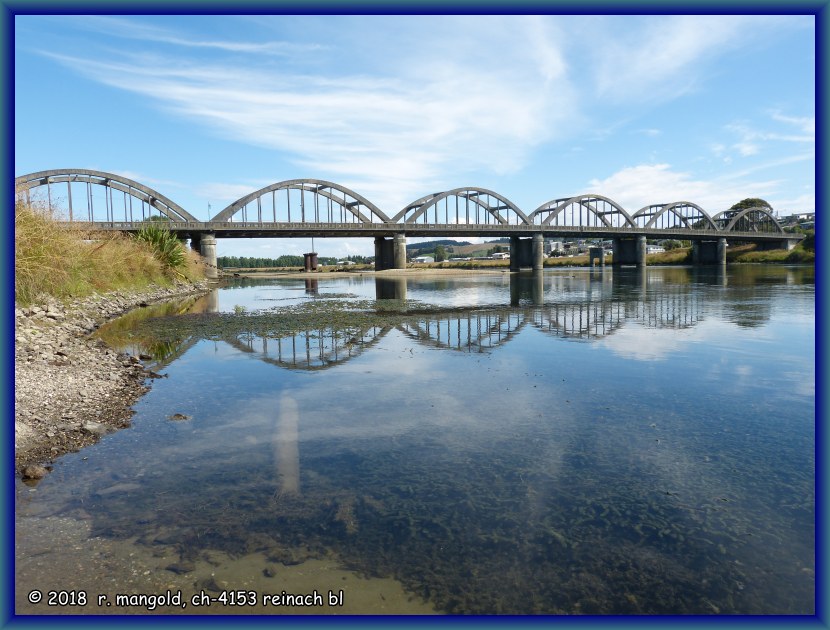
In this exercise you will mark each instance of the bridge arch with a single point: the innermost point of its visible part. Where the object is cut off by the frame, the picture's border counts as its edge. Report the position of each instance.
(110, 181)
(667, 215)
(328, 201)
(478, 203)
(308, 350)
(755, 219)
(479, 331)
(582, 211)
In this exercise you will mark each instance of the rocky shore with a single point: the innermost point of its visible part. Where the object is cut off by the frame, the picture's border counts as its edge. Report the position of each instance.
(70, 389)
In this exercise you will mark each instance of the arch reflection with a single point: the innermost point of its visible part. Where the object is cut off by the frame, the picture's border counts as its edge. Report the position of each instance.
(572, 305)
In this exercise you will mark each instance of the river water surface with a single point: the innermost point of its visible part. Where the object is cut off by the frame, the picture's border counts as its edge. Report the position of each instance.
(572, 442)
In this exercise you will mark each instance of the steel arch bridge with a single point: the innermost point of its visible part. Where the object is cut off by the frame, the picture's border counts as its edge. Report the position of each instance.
(306, 205)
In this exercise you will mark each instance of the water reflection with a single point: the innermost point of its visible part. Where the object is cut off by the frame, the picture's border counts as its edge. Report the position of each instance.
(584, 306)
(566, 443)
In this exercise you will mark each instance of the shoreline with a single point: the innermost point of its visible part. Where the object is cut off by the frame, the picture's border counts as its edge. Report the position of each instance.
(71, 389)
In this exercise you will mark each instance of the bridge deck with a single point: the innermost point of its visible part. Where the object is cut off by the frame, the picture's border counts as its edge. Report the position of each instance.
(237, 229)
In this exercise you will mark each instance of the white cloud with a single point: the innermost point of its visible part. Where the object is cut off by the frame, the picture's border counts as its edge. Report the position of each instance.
(638, 186)
(643, 343)
(390, 137)
(664, 59)
(807, 124)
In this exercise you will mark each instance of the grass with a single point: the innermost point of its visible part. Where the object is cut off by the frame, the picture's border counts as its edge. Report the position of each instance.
(62, 262)
(749, 253)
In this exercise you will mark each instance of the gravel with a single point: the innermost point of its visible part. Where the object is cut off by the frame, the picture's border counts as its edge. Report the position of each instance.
(71, 389)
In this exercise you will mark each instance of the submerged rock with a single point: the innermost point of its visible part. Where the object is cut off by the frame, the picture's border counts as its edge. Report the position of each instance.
(34, 472)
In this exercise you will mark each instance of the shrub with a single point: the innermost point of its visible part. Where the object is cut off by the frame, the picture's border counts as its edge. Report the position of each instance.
(166, 247)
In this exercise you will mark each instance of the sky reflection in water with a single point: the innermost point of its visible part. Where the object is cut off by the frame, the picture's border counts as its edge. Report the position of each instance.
(580, 442)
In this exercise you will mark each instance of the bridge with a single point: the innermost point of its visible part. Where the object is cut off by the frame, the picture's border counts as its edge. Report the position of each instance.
(104, 201)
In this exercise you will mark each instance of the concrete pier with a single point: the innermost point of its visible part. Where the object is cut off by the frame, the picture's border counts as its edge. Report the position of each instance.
(709, 252)
(310, 261)
(399, 251)
(208, 247)
(390, 253)
(630, 251)
(538, 247)
(596, 253)
(527, 253)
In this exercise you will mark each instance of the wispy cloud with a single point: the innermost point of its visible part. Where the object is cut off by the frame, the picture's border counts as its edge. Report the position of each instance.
(133, 29)
(666, 57)
(390, 136)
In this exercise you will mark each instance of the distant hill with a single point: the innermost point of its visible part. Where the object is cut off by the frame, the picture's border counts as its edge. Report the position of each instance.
(431, 245)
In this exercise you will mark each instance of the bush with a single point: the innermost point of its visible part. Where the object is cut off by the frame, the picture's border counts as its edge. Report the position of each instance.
(166, 247)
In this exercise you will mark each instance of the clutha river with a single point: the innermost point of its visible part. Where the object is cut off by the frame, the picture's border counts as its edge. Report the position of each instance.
(571, 442)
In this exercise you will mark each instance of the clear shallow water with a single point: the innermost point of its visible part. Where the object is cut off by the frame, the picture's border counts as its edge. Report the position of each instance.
(576, 442)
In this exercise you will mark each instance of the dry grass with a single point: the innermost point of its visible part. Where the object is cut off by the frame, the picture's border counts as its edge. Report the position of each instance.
(67, 262)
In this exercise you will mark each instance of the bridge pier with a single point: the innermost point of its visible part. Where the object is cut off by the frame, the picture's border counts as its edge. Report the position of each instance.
(208, 248)
(196, 243)
(399, 251)
(629, 251)
(527, 253)
(310, 261)
(538, 252)
(390, 253)
(709, 252)
(594, 253)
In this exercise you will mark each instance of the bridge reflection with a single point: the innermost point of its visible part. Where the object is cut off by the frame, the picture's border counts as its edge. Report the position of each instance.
(579, 306)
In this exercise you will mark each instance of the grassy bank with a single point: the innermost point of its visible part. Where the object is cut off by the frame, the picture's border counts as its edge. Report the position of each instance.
(67, 262)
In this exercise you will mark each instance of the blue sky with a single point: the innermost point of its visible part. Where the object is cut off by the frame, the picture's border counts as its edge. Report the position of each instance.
(641, 109)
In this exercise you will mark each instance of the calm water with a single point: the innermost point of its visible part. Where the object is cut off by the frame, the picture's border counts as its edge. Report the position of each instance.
(576, 442)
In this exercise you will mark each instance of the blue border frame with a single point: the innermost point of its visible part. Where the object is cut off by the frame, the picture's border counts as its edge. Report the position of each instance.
(10, 8)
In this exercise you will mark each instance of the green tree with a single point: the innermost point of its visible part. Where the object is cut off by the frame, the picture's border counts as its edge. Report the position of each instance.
(750, 202)
(440, 253)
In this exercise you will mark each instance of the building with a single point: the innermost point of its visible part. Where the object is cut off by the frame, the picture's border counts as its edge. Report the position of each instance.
(423, 259)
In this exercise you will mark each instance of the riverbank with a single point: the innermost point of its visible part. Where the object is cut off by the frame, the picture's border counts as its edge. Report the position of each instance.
(70, 389)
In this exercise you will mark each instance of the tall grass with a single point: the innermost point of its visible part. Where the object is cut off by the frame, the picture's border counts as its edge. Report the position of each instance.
(62, 262)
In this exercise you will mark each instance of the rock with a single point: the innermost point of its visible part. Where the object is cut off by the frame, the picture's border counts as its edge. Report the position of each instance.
(95, 428)
(208, 584)
(34, 472)
(179, 416)
(181, 567)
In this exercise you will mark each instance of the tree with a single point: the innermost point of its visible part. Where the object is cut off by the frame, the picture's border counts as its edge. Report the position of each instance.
(750, 202)
(440, 253)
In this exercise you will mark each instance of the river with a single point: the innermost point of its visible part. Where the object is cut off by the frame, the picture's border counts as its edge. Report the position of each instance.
(573, 442)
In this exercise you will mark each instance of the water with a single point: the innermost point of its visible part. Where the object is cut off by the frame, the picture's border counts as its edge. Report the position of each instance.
(577, 442)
